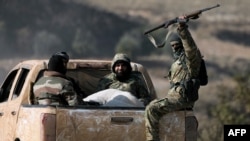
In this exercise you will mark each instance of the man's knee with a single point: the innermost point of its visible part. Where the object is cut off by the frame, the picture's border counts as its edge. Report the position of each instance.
(151, 107)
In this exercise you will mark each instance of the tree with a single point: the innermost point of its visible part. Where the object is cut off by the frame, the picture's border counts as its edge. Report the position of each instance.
(234, 105)
(47, 43)
(84, 44)
(128, 44)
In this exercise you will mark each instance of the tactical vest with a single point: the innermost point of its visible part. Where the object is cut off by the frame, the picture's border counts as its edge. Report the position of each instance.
(182, 77)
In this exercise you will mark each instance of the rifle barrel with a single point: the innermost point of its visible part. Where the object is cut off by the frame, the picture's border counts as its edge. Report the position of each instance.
(160, 26)
(205, 9)
(198, 12)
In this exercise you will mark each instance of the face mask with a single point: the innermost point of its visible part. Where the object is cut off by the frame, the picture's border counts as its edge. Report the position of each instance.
(177, 52)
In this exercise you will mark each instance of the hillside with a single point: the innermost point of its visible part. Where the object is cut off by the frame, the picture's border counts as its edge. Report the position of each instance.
(221, 34)
(42, 27)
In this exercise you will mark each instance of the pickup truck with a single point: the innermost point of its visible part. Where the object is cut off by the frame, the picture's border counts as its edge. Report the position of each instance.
(22, 120)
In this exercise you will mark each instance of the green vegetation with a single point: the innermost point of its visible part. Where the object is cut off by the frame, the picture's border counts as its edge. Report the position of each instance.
(42, 27)
(233, 108)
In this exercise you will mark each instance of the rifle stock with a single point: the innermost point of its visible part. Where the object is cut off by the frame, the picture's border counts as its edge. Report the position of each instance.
(192, 15)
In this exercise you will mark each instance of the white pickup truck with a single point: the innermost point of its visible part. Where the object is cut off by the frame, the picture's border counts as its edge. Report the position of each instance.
(22, 120)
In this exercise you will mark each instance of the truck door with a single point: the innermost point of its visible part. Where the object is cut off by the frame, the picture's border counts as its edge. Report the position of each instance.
(4, 95)
(10, 102)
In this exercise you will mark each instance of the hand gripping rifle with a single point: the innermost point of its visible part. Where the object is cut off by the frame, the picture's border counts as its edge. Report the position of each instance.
(193, 15)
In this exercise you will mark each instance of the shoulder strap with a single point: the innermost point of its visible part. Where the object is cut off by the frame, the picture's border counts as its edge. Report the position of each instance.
(182, 59)
(152, 40)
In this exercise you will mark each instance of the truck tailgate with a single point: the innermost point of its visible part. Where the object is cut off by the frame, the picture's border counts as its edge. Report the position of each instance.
(100, 124)
(107, 124)
(46, 123)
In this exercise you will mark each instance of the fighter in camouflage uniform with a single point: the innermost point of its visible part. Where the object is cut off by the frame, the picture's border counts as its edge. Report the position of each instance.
(54, 88)
(122, 78)
(183, 80)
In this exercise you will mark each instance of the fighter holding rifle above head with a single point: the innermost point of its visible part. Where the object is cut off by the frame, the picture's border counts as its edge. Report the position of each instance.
(184, 75)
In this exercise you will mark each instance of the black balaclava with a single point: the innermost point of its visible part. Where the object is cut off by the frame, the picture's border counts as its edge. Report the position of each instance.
(176, 51)
(58, 62)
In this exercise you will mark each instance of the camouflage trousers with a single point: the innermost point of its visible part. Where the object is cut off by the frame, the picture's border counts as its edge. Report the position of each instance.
(175, 100)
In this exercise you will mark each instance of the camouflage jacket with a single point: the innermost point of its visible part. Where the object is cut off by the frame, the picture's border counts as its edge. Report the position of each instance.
(54, 89)
(133, 84)
(188, 64)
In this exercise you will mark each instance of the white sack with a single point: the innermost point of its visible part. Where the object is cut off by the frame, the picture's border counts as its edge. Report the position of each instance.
(114, 97)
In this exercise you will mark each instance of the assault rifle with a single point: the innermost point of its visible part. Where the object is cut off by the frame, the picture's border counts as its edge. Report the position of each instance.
(193, 15)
